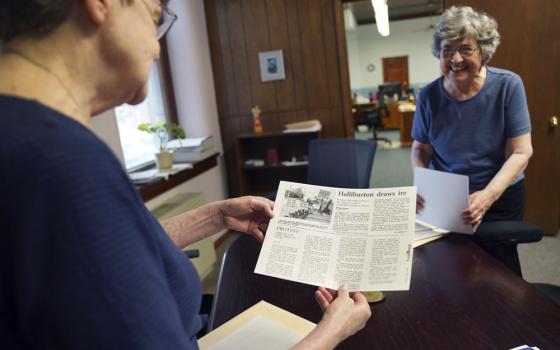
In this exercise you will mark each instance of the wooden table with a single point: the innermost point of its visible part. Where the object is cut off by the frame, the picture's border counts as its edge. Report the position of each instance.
(460, 298)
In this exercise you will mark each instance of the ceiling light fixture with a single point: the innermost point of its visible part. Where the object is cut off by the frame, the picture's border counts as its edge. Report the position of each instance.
(381, 16)
(349, 19)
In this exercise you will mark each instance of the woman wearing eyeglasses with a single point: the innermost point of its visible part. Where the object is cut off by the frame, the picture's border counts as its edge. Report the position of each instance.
(83, 264)
(474, 120)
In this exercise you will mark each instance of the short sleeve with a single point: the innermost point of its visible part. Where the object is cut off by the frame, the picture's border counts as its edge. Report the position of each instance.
(420, 125)
(516, 111)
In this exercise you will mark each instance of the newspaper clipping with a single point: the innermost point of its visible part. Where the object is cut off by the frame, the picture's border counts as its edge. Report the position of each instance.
(327, 236)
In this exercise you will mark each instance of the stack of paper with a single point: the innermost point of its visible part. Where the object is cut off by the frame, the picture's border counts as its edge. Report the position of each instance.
(192, 149)
(305, 126)
(426, 233)
(406, 107)
(263, 326)
(147, 176)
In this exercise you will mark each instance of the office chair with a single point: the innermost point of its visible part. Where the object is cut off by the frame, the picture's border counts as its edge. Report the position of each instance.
(374, 117)
(500, 239)
(342, 163)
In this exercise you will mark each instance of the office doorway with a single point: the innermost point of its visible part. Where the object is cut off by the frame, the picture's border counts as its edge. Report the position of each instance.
(395, 69)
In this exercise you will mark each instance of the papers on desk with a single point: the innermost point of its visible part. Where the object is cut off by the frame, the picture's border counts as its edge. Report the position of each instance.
(406, 107)
(304, 126)
(295, 163)
(327, 236)
(425, 233)
(445, 196)
(263, 326)
(146, 176)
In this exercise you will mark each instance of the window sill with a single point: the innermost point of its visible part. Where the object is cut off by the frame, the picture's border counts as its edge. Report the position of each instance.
(154, 189)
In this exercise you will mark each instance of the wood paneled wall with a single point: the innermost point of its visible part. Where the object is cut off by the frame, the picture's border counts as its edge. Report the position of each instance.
(315, 62)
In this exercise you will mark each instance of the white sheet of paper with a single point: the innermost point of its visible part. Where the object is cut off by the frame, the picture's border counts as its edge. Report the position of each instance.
(446, 195)
(262, 326)
(259, 333)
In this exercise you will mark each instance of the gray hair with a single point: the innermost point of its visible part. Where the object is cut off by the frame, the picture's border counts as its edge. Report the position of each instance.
(459, 22)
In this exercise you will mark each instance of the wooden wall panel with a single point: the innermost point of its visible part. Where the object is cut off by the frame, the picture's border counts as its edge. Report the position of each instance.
(296, 56)
(222, 64)
(255, 24)
(313, 49)
(239, 55)
(280, 39)
(333, 80)
(309, 33)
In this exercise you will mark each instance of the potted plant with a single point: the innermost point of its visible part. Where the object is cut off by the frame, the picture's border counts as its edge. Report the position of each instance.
(162, 131)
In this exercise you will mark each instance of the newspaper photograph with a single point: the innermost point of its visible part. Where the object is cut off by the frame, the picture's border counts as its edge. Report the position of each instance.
(327, 236)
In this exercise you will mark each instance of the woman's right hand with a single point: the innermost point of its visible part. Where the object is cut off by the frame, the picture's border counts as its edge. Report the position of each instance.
(419, 203)
(345, 313)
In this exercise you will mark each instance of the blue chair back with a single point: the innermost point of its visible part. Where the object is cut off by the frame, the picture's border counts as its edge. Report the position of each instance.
(342, 163)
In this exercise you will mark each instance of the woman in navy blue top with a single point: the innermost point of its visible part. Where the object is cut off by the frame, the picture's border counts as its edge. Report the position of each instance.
(83, 264)
(474, 120)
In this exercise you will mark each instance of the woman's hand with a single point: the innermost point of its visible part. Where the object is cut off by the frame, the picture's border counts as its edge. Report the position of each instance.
(247, 214)
(344, 313)
(419, 203)
(479, 203)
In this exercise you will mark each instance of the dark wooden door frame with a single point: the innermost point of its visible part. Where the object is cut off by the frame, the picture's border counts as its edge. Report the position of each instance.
(344, 69)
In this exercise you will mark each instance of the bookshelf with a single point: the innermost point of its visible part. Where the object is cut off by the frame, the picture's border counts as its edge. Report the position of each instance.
(263, 179)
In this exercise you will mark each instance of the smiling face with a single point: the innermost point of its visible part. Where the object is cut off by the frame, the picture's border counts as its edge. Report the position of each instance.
(460, 60)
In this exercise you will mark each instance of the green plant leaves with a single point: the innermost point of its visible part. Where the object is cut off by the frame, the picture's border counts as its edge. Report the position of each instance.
(161, 130)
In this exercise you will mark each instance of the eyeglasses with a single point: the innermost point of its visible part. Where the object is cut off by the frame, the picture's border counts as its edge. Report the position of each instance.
(167, 19)
(464, 51)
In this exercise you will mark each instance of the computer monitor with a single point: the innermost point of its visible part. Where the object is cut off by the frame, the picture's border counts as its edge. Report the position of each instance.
(388, 90)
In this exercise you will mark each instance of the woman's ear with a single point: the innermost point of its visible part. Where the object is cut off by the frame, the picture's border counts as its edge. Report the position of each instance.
(97, 10)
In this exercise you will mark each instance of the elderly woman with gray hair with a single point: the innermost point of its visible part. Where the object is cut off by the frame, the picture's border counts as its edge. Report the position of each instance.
(83, 264)
(474, 120)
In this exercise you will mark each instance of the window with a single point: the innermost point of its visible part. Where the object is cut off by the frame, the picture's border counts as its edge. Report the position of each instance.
(139, 147)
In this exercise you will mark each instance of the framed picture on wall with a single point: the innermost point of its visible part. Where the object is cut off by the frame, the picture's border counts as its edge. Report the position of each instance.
(272, 65)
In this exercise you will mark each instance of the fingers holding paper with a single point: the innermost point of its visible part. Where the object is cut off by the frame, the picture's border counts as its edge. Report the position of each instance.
(419, 203)
(347, 312)
(479, 203)
(247, 214)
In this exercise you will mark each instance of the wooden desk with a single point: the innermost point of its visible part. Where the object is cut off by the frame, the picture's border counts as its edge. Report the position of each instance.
(406, 128)
(460, 298)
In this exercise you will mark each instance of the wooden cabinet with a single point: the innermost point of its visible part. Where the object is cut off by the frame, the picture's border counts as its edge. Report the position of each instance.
(393, 120)
(270, 151)
(407, 119)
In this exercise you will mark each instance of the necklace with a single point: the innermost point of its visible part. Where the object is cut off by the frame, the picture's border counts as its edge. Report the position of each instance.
(51, 72)
(459, 114)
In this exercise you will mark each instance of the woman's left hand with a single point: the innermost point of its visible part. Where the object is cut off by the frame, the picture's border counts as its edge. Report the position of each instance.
(479, 203)
(247, 214)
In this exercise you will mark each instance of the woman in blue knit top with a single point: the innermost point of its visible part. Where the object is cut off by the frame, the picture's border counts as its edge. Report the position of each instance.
(474, 120)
